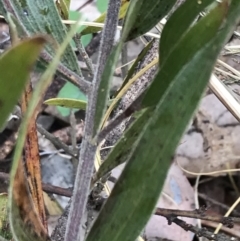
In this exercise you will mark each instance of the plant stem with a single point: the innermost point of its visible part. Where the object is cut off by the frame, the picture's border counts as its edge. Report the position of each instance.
(88, 147)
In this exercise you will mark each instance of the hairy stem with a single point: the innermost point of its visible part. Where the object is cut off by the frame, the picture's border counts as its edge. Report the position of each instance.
(88, 147)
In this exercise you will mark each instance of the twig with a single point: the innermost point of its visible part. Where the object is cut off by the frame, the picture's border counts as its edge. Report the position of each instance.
(66, 192)
(74, 139)
(124, 61)
(235, 204)
(73, 130)
(126, 101)
(223, 206)
(199, 232)
(84, 5)
(199, 223)
(83, 53)
(198, 214)
(225, 96)
(74, 78)
(234, 232)
(88, 148)
(55, 141)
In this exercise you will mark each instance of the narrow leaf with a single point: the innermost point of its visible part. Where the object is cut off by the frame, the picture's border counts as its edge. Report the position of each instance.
(195, 43)
(106, 77)
(150, 13)
(69, 103)
(24, 218)
(134, 65)
(12, 83)
(32, 158)
(172, 33)
(134, 196)
(125, 145)
(63, 8)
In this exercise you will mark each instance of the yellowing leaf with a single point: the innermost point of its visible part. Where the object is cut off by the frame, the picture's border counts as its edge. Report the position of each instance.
(63, 8)
(69, 103)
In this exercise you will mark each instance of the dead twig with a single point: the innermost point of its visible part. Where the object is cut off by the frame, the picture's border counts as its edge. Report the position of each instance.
(51, 189)
(55, 141)
(198, 214)
(221, 205)
(203, 232)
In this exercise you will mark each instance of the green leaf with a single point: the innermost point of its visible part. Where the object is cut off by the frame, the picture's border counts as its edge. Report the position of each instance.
(69, 103)
(70, 91)
(103, 93)
(102, 5)
(42, 17)
(134, 65)
(134, 196)
(22, 229)
(63, 8)
(150, 13)
(173, 32)
(125, 145)
(186, 51)
(21, 59)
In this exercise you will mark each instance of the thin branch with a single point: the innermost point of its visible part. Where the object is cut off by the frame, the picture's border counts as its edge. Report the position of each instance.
(198, 214)
(67, 73)
(55, 141)
(84, 5)
(221, 205)
(51, 189)
(74, 78)
(66, 192)
(172, 213)
(124, 61)
(88, 148)
(203, 232)
(83, 53)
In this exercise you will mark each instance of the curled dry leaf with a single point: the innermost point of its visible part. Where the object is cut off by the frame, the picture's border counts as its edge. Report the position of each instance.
(24, 217)
(32, 159)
